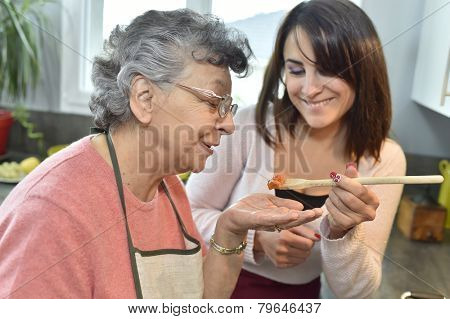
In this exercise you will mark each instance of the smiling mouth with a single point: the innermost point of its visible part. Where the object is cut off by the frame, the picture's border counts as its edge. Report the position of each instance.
(208, 148)
(318, 103)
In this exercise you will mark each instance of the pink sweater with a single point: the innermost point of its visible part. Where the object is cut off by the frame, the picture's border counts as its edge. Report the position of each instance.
(62, 233)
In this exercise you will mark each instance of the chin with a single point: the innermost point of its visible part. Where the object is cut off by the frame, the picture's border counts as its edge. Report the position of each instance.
(199, 165)
(316, 122)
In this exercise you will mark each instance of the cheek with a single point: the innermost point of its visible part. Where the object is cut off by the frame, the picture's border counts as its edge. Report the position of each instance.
(347, 96)
(293, 87)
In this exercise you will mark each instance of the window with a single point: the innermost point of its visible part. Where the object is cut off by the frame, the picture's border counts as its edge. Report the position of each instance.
(259, 20)
(121, 12)
(85, 25)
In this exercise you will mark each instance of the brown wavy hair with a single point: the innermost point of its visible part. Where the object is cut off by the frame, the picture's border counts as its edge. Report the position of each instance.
(346, 45)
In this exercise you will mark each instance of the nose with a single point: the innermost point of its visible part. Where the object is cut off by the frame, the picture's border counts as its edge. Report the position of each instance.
(312, 85)
(226, 125)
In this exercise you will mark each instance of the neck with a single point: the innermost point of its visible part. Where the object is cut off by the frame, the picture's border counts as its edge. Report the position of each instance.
(328, 133)
(141, 178)
(330, 139)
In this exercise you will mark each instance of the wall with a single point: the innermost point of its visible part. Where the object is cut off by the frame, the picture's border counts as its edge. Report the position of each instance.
(418, 129)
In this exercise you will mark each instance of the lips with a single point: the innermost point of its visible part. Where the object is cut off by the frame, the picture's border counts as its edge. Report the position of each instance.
(208, 146)
(318, 103)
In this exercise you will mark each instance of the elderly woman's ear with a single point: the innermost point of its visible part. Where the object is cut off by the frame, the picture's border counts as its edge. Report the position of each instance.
(142, 99)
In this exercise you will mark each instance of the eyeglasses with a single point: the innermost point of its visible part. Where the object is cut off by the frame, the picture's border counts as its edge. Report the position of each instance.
(222, 103)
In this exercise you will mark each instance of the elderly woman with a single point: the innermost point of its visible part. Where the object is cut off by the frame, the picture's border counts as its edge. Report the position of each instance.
(107, 217)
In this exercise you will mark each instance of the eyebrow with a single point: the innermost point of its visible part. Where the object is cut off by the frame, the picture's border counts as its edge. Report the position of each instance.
(293, 61)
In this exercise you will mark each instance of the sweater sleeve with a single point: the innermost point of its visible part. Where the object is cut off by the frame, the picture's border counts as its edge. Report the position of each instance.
(42, 253)
(209, 191)
(353, 264)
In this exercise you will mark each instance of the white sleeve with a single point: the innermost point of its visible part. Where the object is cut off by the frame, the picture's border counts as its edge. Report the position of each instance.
(209, 191)
(353, 264)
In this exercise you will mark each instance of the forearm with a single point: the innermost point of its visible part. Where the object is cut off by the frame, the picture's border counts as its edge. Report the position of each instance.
(348, 264)
(220, 272)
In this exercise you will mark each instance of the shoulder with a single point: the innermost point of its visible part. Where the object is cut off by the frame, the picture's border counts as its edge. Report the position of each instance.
(392, 152)
(68, 180)
(392, 160)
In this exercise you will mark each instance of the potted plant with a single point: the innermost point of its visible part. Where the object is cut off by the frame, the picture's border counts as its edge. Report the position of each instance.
(21, 23)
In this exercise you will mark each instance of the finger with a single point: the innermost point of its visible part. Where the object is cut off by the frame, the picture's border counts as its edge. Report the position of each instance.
(305, 232)
(304, 217)
(352, 186)
(337, 202)
(288, 203)
(296, 242)
(339, 220)
(288, 261)
(285, 217)
(351, 170)
(352, 205)
(286, 252)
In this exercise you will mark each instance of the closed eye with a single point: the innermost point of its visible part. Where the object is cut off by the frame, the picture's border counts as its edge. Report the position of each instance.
(294, 67)
(296, 70)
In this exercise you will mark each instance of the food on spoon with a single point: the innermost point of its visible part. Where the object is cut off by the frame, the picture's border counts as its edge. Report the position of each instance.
(276, 182)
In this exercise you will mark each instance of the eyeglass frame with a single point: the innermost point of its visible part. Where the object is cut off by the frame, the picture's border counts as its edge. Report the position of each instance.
(222, 108)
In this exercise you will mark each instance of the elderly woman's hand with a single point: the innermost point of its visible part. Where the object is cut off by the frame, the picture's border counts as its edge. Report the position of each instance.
(264, 212)
(267, 212)
(349, 203)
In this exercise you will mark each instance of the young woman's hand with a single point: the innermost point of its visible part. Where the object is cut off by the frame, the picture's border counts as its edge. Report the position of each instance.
(287, 248)
(349, 203)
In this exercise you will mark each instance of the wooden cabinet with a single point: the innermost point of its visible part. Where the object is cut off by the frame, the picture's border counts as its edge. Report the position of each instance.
(431, 78)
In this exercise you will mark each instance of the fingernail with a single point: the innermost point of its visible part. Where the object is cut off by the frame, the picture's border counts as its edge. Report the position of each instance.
(337, 178)
(350, 164)
(317, 236)
(333, 175)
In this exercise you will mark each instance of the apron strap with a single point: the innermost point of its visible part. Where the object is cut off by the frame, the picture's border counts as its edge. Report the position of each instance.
(180, 221)
(115, 163)
(96, 130)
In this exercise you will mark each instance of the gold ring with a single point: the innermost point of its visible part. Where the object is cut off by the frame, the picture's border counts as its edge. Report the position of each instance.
(277, 228)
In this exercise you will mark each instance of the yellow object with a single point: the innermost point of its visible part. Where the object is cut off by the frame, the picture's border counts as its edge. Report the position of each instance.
(444, 194)
(29, 164)
(56, 148)
(11, 171)
(184, 176)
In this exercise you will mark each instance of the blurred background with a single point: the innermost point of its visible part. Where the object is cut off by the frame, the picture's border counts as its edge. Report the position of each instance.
(46, 53)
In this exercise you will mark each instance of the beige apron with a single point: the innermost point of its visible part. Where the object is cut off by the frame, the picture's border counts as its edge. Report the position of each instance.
(171, 275)
(165, 273)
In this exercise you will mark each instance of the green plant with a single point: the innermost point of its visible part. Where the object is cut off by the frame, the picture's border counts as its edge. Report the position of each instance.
(21, 36)
(22, 116)
(22, 25)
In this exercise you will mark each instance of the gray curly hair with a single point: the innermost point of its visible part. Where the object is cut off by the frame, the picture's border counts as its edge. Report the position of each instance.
(158, 45)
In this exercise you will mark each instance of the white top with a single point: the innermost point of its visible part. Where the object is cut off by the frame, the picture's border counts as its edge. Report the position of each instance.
(242, 165)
